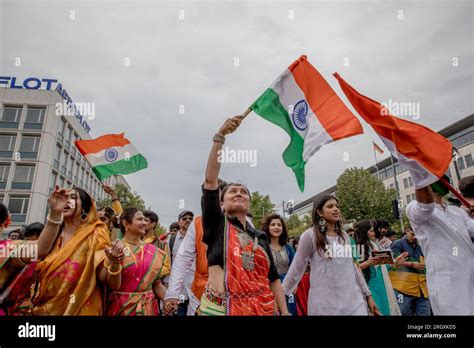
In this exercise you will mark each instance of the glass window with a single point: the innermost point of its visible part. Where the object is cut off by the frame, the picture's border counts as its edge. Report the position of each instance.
(408, 199)
(468, 159)
(52, 181)
(18, 207)
(7, 142)
(413, 196)
(10, 117)
(67, 135)
(29, 146)
(34, 118)
(61, 182)
(405, 183)
(24, 174)
(4, 171)
(61, 127)
(57, 156)
(410, 181)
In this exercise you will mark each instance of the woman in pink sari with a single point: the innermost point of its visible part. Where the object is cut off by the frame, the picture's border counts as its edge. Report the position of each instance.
(136, 284)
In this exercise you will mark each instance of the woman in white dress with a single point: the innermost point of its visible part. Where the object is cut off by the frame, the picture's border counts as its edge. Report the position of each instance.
(337, 284)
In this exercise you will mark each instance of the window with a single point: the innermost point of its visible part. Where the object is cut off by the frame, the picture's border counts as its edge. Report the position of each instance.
(413, 196)
(23, 178)
(57, 156)
(7, 144)
(4, 171)
(76, 172)
(52, 181)
(62, 126)
(468, 159)
(461, 165)
(69, 168)
(63, 162)
(81, 177)
(61, 182)
(408, 199)
(410, 181)
(18, 207)
(405, 183)
(67, 135)
(29, 146)
(34, 118)
(10, 117)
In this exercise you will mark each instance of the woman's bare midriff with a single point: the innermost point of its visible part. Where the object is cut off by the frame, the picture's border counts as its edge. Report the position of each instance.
(216, 278)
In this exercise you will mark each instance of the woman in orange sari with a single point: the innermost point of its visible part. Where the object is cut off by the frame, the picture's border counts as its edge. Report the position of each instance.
(137, 279)
(72, 245)
(243, 279)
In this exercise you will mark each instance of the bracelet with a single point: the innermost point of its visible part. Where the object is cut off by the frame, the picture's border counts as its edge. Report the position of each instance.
(54, 222)
(116, 272)
(218, 139)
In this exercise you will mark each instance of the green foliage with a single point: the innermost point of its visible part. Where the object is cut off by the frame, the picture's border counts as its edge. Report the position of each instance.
(126, 198)
(260, 207)
(296, 226)
(363, 196)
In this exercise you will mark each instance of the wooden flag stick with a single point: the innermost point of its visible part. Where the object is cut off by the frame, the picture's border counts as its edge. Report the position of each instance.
(455, 192)
(246, 112)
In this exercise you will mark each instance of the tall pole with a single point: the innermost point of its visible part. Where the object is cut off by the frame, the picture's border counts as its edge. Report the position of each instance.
(398, 191)
(283, 205)
(376, 166)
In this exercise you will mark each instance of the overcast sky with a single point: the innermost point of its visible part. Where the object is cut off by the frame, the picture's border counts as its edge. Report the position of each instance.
(403, 51)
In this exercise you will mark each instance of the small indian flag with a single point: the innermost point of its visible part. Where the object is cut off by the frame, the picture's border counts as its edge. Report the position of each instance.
(111, 154)
(302, 103)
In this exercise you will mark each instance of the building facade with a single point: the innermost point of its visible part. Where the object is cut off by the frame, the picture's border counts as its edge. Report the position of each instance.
(461, 135)
(37, 152)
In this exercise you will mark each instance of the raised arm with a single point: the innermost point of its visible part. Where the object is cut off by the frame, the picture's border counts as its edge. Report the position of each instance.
(213, 163)
(57, 202)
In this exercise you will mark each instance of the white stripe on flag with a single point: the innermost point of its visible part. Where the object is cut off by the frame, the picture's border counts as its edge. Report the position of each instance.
(123, 152)
(420, 175)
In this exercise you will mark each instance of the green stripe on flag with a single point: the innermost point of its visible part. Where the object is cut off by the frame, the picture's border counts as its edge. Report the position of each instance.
(269, 107)
(124, 166)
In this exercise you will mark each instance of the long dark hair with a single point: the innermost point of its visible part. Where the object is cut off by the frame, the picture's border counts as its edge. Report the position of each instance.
(283, 238)
(362, 239)
(127, 215)
(321, 240)
(86, 199)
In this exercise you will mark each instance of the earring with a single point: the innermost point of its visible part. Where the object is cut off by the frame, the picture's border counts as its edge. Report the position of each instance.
(83, 216)
(322, 225)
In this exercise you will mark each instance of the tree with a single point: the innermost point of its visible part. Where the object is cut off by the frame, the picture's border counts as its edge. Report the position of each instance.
(363, 196)
(296, 226)
(260, 207)
(125, 197)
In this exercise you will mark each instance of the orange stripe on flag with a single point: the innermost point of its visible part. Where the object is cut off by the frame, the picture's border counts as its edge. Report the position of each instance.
(414, 141)
(331, 112)
(101, 143)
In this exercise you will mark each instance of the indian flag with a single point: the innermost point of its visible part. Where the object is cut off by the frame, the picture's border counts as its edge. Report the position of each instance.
(111, 154)
(302, 103)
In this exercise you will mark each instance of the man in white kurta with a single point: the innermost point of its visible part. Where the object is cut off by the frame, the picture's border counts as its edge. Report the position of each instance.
(444, 233)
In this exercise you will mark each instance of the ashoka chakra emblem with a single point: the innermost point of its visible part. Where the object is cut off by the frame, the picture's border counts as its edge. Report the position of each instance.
(299, 115)
(111, 155)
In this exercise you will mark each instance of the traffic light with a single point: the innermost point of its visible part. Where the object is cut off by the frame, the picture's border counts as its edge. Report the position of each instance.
(395, 211)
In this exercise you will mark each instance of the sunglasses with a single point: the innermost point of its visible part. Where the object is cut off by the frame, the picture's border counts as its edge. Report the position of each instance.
(187, 218)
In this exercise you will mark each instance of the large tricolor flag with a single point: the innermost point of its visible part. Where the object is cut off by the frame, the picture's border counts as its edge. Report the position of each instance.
(302, 103)
(424, 152)
(111, 154)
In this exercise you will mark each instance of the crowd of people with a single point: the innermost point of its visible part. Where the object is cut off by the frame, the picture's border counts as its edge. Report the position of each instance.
(109, 261)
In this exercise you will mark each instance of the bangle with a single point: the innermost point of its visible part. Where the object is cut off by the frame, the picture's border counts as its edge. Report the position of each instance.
(54, 222)
(116, 272)
(218, 139)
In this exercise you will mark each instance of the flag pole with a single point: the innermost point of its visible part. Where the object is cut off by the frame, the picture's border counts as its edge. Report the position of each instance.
(455, 192)
(397, 189)
(376, 166)
(246, 112)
